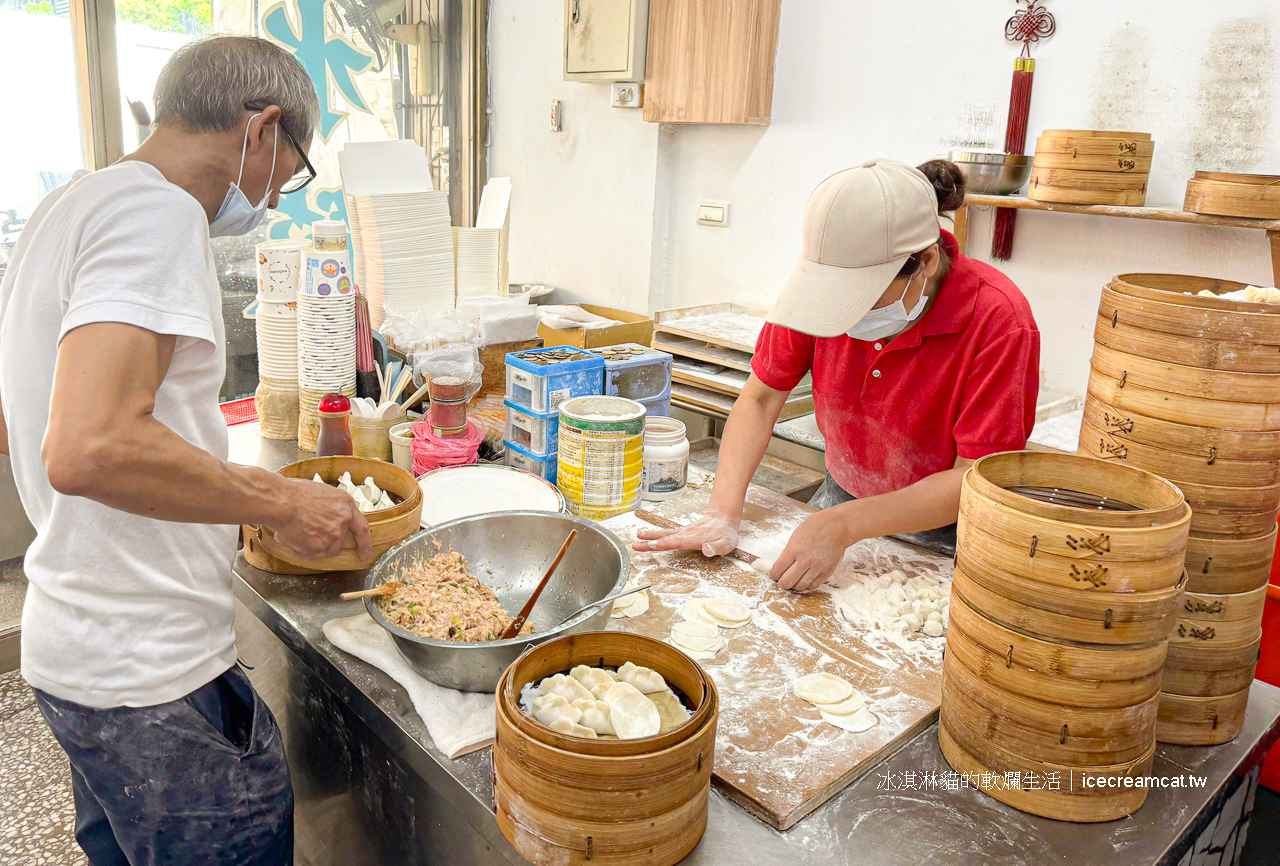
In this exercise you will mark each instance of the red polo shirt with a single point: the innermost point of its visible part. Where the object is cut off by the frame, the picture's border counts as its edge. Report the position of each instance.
(960, 382)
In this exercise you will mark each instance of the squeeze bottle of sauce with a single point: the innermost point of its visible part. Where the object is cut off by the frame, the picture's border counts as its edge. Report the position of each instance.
(335, 435)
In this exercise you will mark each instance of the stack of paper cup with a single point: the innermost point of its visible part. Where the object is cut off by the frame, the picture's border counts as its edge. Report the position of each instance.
(326, 314)
(279, 264)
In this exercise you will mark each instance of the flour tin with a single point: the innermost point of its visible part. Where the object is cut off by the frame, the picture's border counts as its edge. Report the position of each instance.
(600, 455)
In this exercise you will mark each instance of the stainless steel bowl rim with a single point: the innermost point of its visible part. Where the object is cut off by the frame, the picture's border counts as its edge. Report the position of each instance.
(374, 578)
(990, 157)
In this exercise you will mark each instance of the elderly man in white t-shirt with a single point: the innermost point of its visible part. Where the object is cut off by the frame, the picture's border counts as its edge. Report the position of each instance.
(111, 360)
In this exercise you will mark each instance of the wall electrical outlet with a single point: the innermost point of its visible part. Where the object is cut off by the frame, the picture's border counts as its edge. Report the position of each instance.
(627, 94)
(713, 213)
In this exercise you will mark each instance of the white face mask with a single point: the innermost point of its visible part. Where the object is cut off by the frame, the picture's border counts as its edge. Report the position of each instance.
(237, 216)
(889, 320)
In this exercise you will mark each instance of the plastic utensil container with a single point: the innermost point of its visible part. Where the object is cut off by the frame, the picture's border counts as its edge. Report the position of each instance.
(542, 465)
(536, 432)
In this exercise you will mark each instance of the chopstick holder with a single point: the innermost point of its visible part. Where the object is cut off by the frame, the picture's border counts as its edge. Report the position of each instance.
(458, 722)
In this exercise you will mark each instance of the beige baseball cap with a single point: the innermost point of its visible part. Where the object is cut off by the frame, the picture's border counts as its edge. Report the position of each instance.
(860, 226)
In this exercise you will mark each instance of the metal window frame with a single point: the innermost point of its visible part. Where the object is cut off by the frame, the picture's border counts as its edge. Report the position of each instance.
(97, 81)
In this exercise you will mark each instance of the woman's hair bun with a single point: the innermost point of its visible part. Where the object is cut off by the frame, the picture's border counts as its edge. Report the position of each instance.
(948, 182)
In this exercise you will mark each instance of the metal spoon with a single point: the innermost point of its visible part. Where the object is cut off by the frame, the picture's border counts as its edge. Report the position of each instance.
(605, 600)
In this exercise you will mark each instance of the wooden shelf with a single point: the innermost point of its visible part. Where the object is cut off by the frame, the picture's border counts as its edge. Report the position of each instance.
(1271, 227)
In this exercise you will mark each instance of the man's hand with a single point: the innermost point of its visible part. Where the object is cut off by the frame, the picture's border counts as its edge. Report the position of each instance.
(814, 550)
(713, 534)
(319, 520)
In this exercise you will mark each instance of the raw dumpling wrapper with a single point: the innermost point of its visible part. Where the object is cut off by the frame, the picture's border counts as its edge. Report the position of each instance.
(847, 707)
(857, 722)
(591, 677)
(646, 680)
(727, 610)
(697, 636)
(821, 688)
(630, 605)
(632, 713)
(571, 689)
(564, 726)
(549, 709)
(596, 715)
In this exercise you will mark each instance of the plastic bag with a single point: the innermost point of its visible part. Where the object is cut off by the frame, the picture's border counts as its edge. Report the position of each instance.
(460, 361)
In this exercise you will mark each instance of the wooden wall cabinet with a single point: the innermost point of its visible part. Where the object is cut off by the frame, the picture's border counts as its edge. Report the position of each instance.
(711, 61)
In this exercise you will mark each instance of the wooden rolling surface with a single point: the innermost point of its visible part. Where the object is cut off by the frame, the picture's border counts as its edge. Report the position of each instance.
(775, 757)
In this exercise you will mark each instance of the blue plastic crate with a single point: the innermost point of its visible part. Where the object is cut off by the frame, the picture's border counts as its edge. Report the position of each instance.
(542, 379)
(540, 465)
(536, 432)
(636, 372)
(658, 405)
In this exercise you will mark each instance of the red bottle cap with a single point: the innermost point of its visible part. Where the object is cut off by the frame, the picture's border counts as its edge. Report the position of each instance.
(334, 403)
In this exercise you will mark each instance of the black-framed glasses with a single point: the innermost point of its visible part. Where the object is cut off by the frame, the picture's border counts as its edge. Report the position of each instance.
(302, 178)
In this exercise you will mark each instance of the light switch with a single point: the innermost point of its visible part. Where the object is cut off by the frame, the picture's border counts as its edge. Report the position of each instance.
(713, 213)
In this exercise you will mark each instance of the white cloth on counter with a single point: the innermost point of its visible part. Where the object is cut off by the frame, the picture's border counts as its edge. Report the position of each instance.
(458, 722)
(560, 317)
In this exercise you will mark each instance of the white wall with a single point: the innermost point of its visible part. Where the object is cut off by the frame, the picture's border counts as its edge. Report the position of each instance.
(606, 208)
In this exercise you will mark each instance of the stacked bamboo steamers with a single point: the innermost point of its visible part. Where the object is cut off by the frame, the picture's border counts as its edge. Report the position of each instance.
(1087, 166)
(1188, 386)
(1068, 581)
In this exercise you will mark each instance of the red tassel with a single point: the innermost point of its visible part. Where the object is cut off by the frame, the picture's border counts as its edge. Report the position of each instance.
(1015, 141)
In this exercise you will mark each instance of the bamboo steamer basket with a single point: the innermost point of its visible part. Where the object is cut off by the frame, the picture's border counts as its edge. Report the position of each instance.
(1256, 196)
(1075, 736)
(1205, 443)
(1049, 572)
(1224, 385)
(572, 800)
(1192, 720)
(1210, 671)
(1235, 355)
(1174, 465)
(1172, 304)
(1181, 409)
(1214, 632)
(1073, 674)
(1067, 186)
(1225, 565)
(1225, 607)
(1069, 614)
(1231, 524)
(386, 527)
(1062, 149)
(1111, 804)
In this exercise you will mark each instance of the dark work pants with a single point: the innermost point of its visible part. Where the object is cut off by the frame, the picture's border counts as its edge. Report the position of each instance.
(199, 780)
(941, 540)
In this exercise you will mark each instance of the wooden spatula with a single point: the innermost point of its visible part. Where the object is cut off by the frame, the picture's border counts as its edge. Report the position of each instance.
(383, 589)
(518, 622)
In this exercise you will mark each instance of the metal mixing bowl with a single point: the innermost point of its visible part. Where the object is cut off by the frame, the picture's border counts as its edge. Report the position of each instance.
(509, 551)
(992, 172)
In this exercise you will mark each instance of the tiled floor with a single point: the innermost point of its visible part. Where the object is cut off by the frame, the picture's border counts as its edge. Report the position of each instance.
(37, 815)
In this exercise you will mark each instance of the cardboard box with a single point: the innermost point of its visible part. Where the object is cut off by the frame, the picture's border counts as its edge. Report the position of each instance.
(634, 329)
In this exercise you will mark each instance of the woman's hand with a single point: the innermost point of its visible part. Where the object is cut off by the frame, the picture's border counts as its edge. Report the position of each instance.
(713, 534)
(814, 550)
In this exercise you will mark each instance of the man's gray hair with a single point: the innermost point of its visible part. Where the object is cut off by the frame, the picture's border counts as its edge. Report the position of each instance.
(207, 82)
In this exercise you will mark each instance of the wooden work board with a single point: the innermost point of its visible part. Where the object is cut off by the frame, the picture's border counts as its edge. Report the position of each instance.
(775, 756)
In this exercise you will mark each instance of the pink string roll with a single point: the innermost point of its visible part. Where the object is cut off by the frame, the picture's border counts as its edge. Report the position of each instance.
(431, 452)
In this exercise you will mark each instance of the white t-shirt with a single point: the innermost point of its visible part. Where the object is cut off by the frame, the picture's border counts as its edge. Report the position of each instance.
(121, 610)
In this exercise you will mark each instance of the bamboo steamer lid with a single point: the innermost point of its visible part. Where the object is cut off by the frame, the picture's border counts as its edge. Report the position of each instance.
(1070, 674)
(1226, 565)
(1214, 633)
(1182, 409)
(1061, 805)
(1223, 385)
(1210, 671)
(1093, 617)
(1174, 465)
(1201, 721)
(571, 800)
(1075, 736)
(1204, 443)
(1225, 607)
(1251, 196)
(1240, 356)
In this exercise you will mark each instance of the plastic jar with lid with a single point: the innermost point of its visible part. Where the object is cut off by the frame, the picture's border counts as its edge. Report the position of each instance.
(329, 235)
(666, 459)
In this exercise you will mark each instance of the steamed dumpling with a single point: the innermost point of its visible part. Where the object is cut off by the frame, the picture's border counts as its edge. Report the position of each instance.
(595, 715)
(564, 726)
(599, 691)
(591, 677)
(550, 709)
(567, 686)
(645, 679)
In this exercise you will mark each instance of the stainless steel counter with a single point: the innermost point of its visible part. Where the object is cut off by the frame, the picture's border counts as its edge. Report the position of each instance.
(372, 787)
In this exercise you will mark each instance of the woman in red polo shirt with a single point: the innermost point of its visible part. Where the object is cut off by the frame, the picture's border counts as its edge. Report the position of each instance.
(923, 361)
